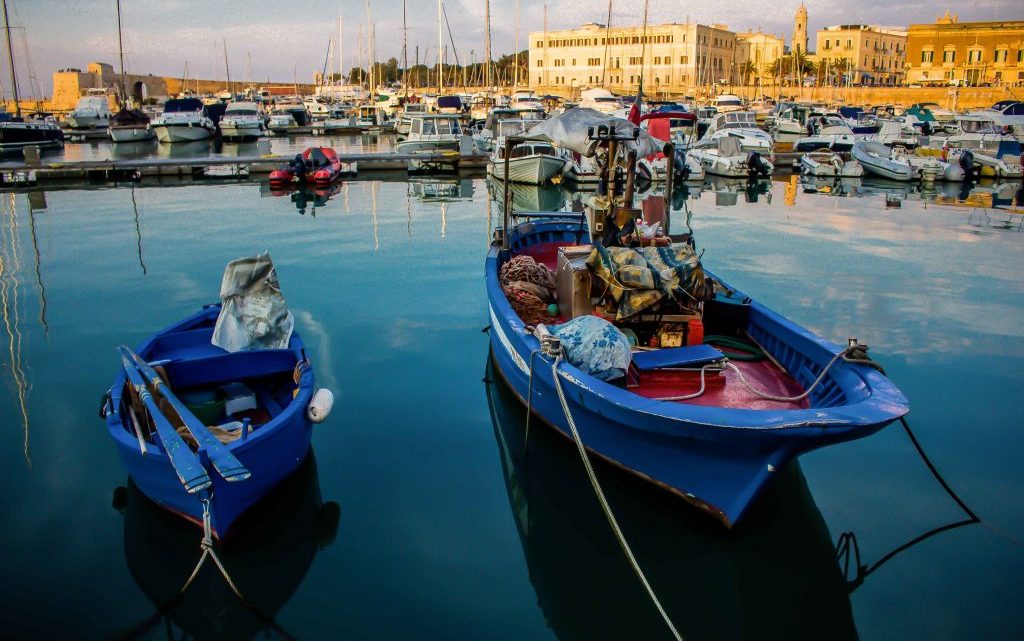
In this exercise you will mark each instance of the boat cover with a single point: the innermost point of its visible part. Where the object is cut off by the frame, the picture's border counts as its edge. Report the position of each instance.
(568, 130)
(129, 117)
(595, 346)
(254, 314)
(637, 279)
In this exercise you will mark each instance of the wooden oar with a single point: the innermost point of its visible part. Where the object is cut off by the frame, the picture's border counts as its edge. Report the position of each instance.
(186, 464)
(223, 460)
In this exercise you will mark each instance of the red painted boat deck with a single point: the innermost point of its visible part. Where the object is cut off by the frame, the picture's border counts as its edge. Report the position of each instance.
(722, 389)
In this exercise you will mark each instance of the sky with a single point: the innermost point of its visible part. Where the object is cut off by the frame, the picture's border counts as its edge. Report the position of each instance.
(290, 38)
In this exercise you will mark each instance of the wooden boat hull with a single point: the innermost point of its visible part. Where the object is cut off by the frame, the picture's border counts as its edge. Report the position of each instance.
(718, 459)
(131, 134)
(271, 452)
(533, 170)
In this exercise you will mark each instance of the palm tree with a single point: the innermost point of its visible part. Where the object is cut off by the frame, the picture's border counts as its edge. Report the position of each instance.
(746, 70)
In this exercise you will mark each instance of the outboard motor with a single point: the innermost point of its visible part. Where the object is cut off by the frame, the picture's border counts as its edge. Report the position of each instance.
(966, 161)
(298, 167)
(756, 165)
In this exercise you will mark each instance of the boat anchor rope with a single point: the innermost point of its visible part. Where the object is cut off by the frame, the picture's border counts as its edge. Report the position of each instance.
(208, 552)
(552, 347)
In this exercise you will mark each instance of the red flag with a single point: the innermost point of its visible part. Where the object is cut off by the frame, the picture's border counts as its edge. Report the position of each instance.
(634, 111)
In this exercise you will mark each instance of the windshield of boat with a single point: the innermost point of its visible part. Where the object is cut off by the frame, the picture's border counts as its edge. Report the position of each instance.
(737, 120)
(977, 126)
(242, 112)
(729, 102)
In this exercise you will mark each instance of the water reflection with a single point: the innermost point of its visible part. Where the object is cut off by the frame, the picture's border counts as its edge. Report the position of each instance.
(270, 551)
(728, 190)
(306, 198)
(547, 197)
(10, 304)
(437, 189)
(775, 574)
(181, 150)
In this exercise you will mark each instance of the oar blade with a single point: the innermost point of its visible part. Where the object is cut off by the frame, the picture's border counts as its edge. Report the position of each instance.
(184, 462)
(226, 463)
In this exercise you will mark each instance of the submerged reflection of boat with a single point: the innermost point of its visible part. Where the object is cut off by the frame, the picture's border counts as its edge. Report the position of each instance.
(773, 576)
(268, 556)
(728, 190)
(191, 149)
(307, 196)
(134, 150)
(435, 190)
(830, 185)
(526, 197)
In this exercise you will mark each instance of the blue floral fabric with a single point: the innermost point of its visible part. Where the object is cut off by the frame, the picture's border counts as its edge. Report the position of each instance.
(595, 346)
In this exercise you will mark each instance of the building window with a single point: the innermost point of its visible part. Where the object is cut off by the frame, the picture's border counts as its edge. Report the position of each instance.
(1020, 56)
(974, 55)
(949, 55)
(538, 64)
(927, 56)
(686, 59)
(1000, 55)
(827, 42)
(849, 43)
(540, 44)
(574, 62)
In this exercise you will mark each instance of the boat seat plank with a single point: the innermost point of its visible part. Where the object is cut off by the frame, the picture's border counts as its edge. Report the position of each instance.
(229, 367)
(685, 356)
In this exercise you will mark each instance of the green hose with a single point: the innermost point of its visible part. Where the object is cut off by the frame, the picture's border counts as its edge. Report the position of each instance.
(747, 351)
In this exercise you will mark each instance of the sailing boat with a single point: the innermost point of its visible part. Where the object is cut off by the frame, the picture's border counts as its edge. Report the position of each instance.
(15, 131)
(127, 125)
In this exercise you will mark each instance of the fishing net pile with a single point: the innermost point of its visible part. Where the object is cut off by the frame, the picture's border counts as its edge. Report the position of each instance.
(529, 287)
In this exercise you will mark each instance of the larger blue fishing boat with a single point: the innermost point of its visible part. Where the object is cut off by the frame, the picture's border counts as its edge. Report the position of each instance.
(708, 425)
(267, 433)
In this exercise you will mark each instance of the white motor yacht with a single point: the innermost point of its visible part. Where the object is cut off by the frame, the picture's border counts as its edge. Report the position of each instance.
(410, 110)
(242, 121)
(600, 100)
(726, 157)
(183, 120)
(91, 112)
(742, 126)
(830, 131)
(725, 103)
(431, 133)
(533, 162)
(828, 164)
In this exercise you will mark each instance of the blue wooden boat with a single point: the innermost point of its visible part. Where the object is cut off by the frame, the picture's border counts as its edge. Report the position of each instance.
(274, 438)
(720, 449)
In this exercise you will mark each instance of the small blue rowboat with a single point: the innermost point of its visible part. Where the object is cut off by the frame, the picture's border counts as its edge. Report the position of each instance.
(720, 447)
(255, 400)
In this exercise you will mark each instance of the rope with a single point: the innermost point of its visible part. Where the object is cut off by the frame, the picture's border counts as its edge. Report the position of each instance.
(603, 501)
(207, 546)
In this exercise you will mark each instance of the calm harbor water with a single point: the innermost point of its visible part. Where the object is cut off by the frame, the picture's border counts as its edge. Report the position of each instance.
(420, 516)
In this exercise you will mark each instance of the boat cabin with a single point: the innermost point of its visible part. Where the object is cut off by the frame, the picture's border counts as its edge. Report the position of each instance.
(434, 126)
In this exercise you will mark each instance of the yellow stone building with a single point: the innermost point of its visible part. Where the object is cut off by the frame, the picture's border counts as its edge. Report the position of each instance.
(674, 59)
(872, 54)
(950, 52)
(71, 84)
(762, 50)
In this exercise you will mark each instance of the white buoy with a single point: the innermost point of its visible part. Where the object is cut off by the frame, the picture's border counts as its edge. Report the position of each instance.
(320, 405)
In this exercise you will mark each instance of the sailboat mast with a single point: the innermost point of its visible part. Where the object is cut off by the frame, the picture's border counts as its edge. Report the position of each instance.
(341, 52)
(227, 71)
(405, 53)
(369, 51)
(607, 42)
(120, 50)
(516, 81)
(440, 50)
(487, 42)
(10, 60)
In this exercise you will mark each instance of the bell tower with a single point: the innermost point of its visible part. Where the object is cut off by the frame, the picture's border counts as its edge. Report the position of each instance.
(800, 30)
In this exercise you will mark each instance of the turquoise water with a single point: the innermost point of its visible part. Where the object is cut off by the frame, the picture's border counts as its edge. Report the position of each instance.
(445, 530)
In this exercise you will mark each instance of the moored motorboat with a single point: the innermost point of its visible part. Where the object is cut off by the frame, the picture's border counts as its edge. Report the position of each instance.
(534, 163)
(242, 121)
(713, 440)
(829, 164)
(316, 165)
(726, 158)
(130, 125)
(183, 120)
(92, 112)
(895, 163)
(241, 392)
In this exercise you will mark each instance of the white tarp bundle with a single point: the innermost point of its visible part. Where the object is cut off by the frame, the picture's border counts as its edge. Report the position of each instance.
(569, 130)
(253, 312)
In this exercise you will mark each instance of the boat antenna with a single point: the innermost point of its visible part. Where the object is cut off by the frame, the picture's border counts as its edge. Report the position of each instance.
(120, 50)
(10, 60)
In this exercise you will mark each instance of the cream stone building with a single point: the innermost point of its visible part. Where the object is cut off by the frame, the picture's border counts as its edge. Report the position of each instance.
(71, 84)
(950, 52)
(873, 55)
(675, 58)
(762, 50)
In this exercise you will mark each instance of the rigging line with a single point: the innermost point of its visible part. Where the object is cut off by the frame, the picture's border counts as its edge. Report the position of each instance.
(455, 51)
